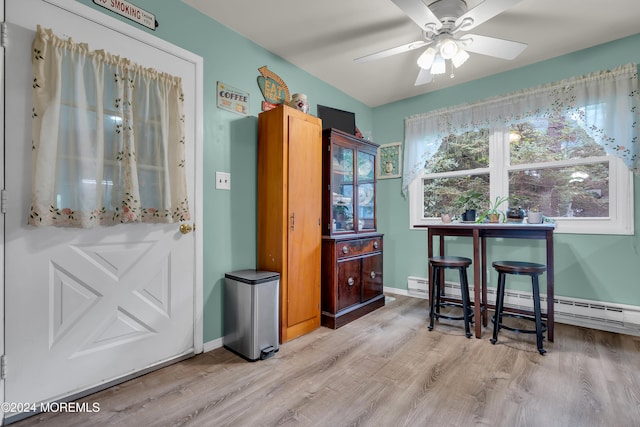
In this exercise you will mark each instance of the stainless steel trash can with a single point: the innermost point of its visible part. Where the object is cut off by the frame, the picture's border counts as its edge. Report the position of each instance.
(251, 313)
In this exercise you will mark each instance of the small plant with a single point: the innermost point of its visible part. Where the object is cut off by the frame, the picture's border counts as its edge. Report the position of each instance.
(493, 210)
(468, 203)
(469, 200)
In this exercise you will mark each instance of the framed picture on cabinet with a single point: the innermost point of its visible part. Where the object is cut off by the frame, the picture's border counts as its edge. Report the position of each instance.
(389, 160)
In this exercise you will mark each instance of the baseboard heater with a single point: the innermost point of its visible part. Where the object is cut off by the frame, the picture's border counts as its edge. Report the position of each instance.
(605, 316)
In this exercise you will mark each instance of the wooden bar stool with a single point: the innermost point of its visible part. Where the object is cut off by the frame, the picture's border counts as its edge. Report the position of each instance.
(438, 264)
(524, 268)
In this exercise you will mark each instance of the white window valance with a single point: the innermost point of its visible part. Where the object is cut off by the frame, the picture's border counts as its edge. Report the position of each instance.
(606, 104)
(108, 139)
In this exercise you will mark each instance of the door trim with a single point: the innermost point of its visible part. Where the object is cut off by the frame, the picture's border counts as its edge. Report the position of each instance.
(2, 260)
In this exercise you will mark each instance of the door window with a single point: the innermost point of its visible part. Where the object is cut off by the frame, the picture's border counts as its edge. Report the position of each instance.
(108, 139)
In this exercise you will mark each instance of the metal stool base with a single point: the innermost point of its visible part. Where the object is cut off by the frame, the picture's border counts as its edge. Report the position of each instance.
(522, 317)
(438, 265)
(525, 268)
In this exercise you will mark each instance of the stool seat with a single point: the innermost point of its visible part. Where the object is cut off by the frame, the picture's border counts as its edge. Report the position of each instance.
(438, 264)
(519, 267)
(449, 261)
(525, 268)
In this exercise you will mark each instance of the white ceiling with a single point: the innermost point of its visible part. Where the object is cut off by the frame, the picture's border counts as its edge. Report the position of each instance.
(324, 37)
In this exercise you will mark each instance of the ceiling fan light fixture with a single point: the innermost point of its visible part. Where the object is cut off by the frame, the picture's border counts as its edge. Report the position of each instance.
(439, 65)
(460, 58)
(449, 49)
(426, 59)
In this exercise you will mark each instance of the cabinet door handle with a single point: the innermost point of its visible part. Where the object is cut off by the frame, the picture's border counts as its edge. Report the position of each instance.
(375, 245)
(350, 281)
(345, 249)
(372, 274)
(293, 221)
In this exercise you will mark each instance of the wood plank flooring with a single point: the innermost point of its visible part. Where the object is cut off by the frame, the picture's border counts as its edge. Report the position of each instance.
(387, 369)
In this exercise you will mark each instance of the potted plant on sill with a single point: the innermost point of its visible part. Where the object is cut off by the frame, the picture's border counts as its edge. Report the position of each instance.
(493, 212)
(469, 202)
(534, 216)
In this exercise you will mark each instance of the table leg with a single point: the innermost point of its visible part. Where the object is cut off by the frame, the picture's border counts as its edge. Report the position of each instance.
(483, 244)
(550, 286)
(429, 255)
(477, 283)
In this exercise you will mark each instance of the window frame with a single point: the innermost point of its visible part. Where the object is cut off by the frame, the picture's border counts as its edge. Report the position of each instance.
(621, 204)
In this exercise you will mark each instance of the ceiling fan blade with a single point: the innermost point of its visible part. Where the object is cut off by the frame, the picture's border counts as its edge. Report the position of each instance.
(491, 46)
(393, 51)
(424, 77)
(419, 13)
(483, 12)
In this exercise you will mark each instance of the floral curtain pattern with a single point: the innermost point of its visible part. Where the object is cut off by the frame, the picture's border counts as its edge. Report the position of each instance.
(606, 104)
(108, 139)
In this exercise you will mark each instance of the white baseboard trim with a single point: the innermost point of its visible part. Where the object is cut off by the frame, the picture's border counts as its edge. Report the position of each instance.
(612, 317)
(212, 345)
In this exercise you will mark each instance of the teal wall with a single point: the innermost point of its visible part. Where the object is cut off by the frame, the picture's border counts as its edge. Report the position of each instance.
(590, 267)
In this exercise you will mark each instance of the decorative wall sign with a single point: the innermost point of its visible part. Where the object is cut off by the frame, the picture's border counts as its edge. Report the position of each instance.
(390, 160)
(231, 99)
(130, 11)
(273, 88)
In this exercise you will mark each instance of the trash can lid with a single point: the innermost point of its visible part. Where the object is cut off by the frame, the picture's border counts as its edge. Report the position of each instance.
(253, 276)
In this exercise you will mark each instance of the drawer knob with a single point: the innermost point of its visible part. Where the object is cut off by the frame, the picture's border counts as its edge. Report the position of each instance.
(372, 274)
(375, 245)
(345, 249)
(350, 281)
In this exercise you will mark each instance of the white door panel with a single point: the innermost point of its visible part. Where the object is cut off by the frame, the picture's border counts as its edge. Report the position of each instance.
(87, 306)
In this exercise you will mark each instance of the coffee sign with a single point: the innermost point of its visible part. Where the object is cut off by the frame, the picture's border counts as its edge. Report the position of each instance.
(231, 99)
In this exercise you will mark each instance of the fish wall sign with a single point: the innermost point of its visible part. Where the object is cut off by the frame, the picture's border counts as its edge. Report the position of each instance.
(273, 88)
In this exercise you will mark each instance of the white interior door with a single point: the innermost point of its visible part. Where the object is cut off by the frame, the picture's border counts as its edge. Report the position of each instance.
(85, 307)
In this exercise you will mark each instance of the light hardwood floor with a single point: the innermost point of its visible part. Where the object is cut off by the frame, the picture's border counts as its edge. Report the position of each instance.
(387, 369)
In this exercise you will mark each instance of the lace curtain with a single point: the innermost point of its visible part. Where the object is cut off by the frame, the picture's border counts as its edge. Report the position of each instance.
(604, 103)
(108, 139)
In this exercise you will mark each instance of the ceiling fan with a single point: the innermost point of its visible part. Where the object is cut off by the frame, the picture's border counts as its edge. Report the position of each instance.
(441, 22)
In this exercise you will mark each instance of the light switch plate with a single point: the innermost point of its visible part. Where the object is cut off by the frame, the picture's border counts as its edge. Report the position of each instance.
(223, 181)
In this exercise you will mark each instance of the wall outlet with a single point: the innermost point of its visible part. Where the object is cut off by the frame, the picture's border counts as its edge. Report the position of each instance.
(223, 181)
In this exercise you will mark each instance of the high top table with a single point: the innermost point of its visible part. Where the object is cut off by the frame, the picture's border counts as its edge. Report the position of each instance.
(479, 234)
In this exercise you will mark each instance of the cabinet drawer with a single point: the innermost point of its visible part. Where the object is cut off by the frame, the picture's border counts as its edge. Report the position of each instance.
(358, 247)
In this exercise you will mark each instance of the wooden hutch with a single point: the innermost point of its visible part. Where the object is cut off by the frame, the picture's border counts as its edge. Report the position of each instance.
(351, 245)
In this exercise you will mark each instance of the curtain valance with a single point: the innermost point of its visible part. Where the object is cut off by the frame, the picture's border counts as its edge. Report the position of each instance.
(108, 138)
(604, 103)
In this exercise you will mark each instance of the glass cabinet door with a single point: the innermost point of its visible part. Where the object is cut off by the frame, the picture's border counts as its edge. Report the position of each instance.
(366, 192)
(342, 188)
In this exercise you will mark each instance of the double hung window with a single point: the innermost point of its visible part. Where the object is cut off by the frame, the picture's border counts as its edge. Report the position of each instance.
(566, 149)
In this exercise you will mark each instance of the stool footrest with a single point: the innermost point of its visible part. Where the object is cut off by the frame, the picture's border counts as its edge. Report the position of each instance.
(447, 316)
(519, 316)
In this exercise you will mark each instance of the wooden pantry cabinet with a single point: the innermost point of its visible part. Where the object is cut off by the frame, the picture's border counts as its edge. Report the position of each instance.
(289, 214)
(351, 246)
